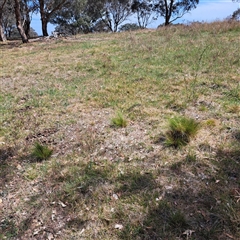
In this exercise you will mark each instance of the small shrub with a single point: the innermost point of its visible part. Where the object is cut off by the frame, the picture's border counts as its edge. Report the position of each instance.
(129, 27)
(180, 131)
(119, 120)
(41, 152)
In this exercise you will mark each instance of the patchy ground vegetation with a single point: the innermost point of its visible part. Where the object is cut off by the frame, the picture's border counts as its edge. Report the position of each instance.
(108, 182)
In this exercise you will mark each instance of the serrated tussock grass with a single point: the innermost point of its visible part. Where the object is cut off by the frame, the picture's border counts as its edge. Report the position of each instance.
(41, 152)
(180, 131)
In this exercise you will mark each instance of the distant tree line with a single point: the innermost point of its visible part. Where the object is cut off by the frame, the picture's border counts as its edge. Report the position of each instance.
(84, 16)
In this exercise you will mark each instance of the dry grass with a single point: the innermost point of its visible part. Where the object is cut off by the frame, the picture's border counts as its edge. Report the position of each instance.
(121, 183)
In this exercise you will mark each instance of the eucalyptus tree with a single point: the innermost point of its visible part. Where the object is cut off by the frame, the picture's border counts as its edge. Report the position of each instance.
(144, 10)
(172, 10)
(115, 13)
(9, 20)
(28, 7)
(92, 15)
(15, 16)
(47, 8)
(110, 13)
(76, 16)
(236, 14)
(95, 11)
(19, 22)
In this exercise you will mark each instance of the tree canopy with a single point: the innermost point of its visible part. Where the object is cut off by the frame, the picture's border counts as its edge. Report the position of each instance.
(144, 10)
(171, 10)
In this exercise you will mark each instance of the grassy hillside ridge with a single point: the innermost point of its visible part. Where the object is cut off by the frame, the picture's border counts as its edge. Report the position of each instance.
(108, 182)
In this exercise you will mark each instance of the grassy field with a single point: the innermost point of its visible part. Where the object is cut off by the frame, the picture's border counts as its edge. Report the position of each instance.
(90, 128)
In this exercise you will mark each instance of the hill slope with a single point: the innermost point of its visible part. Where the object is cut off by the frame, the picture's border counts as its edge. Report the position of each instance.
(104, 181)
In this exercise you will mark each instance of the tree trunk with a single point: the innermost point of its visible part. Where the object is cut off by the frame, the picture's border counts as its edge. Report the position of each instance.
(167, 20)
(169, 10)
(44, 26)
(27, 20)
(19, 22)
(46, 14)
(2, 35)
(44, 18)
(27, 27)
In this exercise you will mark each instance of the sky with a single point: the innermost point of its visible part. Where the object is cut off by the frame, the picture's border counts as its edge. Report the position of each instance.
(207, 11)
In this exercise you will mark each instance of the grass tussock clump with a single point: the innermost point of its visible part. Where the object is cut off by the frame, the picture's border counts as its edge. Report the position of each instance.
(119, 120)
(41, 152)
(181, 130)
